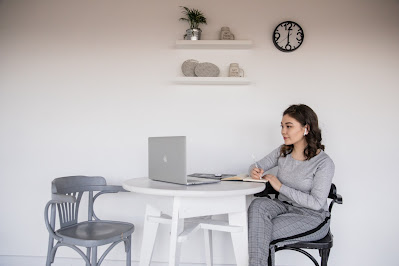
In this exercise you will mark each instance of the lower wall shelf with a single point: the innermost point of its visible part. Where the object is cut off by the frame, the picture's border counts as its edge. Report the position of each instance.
(212, 81)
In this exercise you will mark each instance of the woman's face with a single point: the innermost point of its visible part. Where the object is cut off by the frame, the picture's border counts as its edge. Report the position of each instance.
(291, 130)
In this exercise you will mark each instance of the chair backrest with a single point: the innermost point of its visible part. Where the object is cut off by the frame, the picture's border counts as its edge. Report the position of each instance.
(75, 186)
(334, 196)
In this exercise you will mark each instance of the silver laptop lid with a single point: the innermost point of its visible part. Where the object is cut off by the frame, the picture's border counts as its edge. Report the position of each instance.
(167, 159)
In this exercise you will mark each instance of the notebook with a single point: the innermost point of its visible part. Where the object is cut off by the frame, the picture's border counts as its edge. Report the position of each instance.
(167, 161)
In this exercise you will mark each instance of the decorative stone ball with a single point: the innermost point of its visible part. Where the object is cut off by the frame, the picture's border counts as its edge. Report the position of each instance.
(188, 67)
(206, 70)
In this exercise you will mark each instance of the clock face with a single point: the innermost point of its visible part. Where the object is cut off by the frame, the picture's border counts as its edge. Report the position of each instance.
(288, 36)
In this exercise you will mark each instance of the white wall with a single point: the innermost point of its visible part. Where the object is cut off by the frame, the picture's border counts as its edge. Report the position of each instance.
(84, 83)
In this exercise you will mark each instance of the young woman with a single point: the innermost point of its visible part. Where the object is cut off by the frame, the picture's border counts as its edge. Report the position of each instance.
(303, 181)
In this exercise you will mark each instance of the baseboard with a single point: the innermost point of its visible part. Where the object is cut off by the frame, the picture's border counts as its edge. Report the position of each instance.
(59, 261)
(40, 261)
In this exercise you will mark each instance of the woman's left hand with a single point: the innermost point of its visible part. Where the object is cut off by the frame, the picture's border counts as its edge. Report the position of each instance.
(273, 180)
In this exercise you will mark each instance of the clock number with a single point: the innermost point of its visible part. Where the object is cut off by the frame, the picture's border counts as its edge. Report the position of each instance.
(300, 35)
(290, 26)
(276, 36)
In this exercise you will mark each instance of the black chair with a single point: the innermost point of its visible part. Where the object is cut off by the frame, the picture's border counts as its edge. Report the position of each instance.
(66, 196)
(323, 245)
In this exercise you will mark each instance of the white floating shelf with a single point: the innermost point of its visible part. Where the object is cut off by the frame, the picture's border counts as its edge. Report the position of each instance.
(214, 44)
(212, 81)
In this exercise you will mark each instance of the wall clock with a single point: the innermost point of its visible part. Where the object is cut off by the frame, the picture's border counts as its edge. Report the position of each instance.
(288, 36)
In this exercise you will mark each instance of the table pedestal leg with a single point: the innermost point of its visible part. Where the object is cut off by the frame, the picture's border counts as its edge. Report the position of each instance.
(240, 239)
(149, 235)
(177, 226)
(208, 247)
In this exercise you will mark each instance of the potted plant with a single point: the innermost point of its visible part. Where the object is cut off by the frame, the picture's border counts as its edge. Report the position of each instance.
(194, 17)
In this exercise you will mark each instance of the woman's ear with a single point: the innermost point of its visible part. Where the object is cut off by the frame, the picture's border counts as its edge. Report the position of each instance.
(306, 130)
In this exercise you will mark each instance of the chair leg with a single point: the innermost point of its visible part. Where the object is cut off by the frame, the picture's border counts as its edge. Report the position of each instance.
(269, 260)
(128, 249)
(49, 260)
(88, 255)
(53, 251)
(324, 253)
(94, 256)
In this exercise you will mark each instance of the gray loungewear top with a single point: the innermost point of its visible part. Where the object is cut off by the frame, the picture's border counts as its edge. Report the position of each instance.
(304, 183)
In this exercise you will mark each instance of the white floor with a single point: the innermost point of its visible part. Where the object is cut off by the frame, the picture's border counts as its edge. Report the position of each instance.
(40, 261)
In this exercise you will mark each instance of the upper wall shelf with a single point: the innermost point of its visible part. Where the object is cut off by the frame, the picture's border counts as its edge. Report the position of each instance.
(212, 81)
(214, 44)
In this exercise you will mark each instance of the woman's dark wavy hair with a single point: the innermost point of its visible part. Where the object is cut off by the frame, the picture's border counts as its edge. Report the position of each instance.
(305, 116)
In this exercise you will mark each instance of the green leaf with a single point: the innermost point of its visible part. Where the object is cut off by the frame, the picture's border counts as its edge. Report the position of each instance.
(194, 17)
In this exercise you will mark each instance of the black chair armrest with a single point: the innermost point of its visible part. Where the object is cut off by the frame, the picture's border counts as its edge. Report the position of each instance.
(269, 190)
(338, 199)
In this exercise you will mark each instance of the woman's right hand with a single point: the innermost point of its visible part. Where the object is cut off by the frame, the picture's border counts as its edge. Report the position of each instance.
(257, 173)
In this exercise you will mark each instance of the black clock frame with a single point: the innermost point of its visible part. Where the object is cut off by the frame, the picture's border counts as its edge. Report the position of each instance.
(275, 40)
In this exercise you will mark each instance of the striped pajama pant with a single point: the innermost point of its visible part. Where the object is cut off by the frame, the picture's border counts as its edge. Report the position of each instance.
(270, 220)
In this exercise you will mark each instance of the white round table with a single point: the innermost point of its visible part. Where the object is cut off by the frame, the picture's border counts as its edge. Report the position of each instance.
(226, 197)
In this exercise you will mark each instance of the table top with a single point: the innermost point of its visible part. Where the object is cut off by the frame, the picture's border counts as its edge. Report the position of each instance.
(145, 185)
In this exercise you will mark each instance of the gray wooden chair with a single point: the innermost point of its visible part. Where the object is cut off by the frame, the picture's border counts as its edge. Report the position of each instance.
(66, 196)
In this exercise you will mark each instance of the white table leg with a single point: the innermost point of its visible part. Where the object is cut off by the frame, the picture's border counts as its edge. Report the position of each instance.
(208, 247)
(177, 227)
(149, 235)
(240, 239)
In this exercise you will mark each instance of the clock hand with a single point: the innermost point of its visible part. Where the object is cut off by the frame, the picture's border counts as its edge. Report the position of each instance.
(283, 39)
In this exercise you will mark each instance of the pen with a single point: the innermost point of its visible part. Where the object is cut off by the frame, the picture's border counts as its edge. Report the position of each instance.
(256, 164)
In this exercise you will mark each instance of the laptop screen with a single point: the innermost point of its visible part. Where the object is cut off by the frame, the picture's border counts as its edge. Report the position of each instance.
(167, 159)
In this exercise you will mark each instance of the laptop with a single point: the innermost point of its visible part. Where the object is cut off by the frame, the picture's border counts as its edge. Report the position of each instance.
(167, 161)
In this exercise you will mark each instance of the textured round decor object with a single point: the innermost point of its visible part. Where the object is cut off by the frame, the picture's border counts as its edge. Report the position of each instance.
(188, 67)
(206, 70)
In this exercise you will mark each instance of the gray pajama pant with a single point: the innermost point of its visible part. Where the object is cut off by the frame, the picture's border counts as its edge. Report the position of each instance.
(271, 219)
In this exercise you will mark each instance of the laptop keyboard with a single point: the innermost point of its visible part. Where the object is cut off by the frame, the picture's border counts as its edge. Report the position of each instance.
(193, 181)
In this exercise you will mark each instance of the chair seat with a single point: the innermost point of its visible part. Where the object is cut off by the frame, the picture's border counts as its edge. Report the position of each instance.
(95, 233)
(326, 242)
